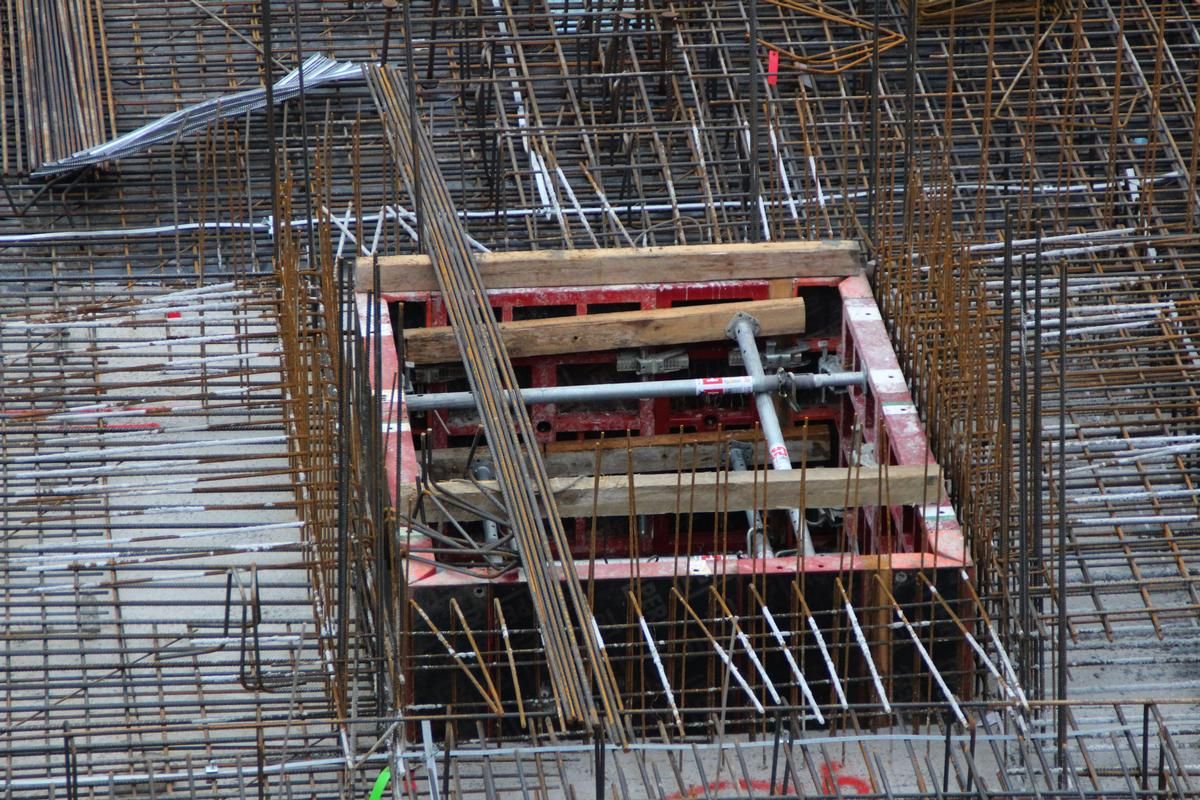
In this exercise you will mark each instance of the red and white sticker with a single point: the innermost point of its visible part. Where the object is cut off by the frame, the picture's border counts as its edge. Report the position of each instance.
(725, 385)
(779, 451)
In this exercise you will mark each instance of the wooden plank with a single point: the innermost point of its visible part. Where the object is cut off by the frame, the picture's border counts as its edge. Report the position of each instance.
(617, 441)
(664, 454)
(622, 329)
(779, 288)
(831, 258)
(657, 493)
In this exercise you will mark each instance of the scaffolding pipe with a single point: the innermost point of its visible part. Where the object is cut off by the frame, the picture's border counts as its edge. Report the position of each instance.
(686, 387)
(491, 531)
(743, 329)
(756, 534)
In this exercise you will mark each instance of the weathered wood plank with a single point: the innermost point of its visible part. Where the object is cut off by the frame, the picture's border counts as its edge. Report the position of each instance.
(657, 493)
(615, 266)
(662, 454)
(648, 328)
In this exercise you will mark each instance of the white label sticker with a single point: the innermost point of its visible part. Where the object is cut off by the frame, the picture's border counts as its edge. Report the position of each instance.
(725, 385)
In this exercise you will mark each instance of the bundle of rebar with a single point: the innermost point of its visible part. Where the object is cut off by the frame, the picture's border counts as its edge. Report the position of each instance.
(565, 620)
(54, 61)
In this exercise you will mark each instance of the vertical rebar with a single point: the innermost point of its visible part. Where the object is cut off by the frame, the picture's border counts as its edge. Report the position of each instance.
(1005, 438)
(1060, 693)
(753, 112)
(1037, 478)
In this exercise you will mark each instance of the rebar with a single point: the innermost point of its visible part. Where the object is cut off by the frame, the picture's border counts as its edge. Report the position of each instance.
(206, 583)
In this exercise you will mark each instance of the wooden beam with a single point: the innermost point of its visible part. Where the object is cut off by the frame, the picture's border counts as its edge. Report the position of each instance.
(617, 442)
(832, 258)
(622, 329)
(650, 454)
(714, 491)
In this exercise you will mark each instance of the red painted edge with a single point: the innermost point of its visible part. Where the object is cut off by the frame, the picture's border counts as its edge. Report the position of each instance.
(394, 415)
(892, 408)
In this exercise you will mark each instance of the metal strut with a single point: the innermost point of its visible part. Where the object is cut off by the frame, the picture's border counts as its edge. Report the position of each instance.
(757, 542)
(641, 390)
(743, 329)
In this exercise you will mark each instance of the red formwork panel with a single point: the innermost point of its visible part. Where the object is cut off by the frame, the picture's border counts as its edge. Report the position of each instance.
(651, 416)
(891, 425)
(882, 416)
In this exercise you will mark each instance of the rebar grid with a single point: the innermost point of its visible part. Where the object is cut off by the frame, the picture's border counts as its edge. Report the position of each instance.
(603, 124)
(166, 522)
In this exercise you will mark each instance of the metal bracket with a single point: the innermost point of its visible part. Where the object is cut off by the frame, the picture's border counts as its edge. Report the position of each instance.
(830, 364)
(774, 356)
(741, 316)
(745, 450)
(439, 373)
(406, 375)
(648, 363)
(825, 516)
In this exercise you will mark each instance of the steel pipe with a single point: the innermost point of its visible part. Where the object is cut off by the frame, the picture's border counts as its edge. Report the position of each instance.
(756, 535)
(686, 387)
(743, 329)
(491, 531)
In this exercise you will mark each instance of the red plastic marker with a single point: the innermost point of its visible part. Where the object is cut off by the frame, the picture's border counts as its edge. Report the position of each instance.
(772, 67)
(174, 315)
